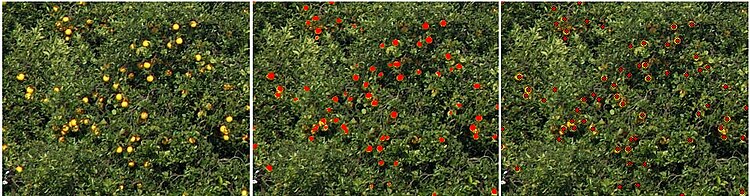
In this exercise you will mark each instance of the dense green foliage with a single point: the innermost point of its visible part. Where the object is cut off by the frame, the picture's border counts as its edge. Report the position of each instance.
(663, 117)
(315, 141)
(104, 98)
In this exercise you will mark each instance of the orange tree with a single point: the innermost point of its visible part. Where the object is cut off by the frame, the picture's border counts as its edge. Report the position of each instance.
(126, 98)
(624, 98)
(375, 98)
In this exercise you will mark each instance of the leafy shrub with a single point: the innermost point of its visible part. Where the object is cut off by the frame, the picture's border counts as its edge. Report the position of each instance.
(102, 98)
(316, 129)
(590, 110)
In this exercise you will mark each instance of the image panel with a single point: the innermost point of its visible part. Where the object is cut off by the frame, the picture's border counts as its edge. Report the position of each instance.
(126, 98)
(375, 98)
(624, 98)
